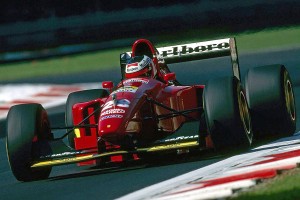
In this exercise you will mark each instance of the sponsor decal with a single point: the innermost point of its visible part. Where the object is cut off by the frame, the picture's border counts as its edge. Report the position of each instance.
(132, 68)
(124, 103)
(62, 154)
(138, 80)
(181, 138)
(131, 89)
(113, 111)
(194, 48)
(111, 116)
(137, 66)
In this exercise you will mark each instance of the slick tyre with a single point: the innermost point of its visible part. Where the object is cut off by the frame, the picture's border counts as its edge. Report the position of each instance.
(269, 91)
(227, 115)
(28, 135)
(78, 97)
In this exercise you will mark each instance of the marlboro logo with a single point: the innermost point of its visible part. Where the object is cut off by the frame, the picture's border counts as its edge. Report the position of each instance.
(193, 49)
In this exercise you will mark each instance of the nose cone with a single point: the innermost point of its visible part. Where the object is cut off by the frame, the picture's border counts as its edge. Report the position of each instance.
(119, 109)
(110, 123)
(112, 120)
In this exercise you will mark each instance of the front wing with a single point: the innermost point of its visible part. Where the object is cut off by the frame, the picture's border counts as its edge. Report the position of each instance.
(80, 156)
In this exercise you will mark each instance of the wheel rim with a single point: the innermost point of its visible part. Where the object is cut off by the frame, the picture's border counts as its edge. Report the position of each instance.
(244, 113)
(289, 99)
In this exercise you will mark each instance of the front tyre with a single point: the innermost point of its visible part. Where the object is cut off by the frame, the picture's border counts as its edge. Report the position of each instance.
(28, 133)
(271, 100)
(227, 115)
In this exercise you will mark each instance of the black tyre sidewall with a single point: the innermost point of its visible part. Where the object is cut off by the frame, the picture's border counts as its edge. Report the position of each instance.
(222, 114)
(24, 122)
(266, 96)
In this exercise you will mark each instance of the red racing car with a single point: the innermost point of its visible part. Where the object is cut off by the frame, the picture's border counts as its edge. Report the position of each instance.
(150, 112)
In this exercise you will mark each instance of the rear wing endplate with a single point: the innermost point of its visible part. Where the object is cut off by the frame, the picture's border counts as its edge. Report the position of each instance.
(197, 51)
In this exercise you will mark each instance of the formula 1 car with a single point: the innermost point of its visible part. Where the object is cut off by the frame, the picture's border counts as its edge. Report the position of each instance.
(150, 114)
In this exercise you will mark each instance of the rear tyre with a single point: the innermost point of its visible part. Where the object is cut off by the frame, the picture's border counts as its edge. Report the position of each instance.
(79, 97)
(227, 115)
(271, 100)
(28, 133)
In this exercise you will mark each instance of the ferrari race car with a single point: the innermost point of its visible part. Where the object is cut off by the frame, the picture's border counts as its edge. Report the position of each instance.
(150, 112)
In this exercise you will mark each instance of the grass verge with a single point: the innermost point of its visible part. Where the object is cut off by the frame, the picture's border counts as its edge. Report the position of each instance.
(61, 65)
(105, 59)
(283, 187)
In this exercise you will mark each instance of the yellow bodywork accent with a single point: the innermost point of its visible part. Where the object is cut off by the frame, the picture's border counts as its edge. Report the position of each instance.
(77, 132)
(62, 161)
(69, 160)
(173, 146)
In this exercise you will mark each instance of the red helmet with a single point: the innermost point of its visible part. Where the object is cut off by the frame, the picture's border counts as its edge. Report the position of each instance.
(139, 66)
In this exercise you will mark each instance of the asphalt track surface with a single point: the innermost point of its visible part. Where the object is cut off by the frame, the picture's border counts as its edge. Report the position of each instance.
(72, 182)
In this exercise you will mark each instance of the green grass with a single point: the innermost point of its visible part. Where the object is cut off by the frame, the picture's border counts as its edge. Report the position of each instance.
(283, 187)
(105, 59)
(61, 65)
(274, 38)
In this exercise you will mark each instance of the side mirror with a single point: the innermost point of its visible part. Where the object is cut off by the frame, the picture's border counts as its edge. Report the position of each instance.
(169, 77)
(108, 85)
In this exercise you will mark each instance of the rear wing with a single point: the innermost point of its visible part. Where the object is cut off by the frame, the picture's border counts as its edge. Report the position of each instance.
(196, 51)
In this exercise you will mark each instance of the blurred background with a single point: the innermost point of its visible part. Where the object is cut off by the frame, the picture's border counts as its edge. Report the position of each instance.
(78, 26)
